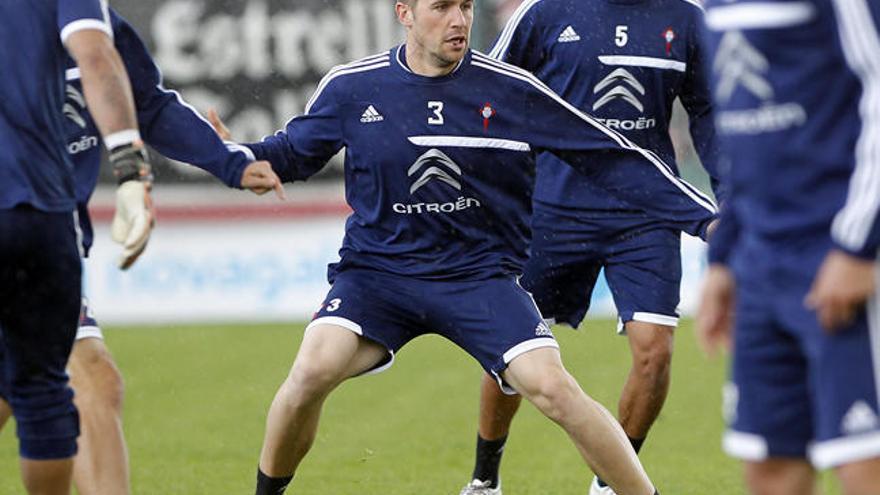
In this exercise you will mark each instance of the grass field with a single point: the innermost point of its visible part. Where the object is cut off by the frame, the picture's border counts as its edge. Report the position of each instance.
(197, 397)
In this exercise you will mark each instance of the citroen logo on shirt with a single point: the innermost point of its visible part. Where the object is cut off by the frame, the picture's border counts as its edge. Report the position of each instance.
(74, 97)
(622, 84)
(436, 165)
(738, 63)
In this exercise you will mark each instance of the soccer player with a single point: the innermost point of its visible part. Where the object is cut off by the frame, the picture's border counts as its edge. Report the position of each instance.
(624, 63)
(796, 85)
(176, 130)
(440, 154)
(39, 262)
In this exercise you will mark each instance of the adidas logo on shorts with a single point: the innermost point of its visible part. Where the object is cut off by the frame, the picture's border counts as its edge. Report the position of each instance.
(543, 330)
(371, 115)
(859, 419)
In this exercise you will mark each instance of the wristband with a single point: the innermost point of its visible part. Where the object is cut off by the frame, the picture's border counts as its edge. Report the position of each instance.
(130, 163)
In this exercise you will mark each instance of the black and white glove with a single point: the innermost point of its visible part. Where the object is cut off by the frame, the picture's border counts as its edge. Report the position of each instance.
(135, 217)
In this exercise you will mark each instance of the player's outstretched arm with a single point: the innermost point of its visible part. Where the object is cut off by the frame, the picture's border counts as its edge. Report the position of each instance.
(614, 163)
(258, 177)
(696, 98)
(108, 94)
(175, 129)
(307, 142)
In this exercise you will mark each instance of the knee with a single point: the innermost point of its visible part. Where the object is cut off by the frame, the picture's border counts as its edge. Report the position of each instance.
(310, 380)
(654, 360)
(552, 393)
(97, 382)
(860, 478)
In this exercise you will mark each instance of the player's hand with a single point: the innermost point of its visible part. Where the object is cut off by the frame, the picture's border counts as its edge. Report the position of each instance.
(715, 313)
(842, 286)
(259, 178)
(219, 127)
(133, 221)
(135, 217)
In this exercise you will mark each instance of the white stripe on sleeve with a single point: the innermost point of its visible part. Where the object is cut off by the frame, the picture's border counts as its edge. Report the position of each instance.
(500, 49)
(861, 44)
(83, 24)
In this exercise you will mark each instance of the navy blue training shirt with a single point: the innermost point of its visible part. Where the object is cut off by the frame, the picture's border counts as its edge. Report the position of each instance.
(439, 170)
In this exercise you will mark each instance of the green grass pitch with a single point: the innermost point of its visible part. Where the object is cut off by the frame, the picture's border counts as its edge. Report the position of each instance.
(196, 399)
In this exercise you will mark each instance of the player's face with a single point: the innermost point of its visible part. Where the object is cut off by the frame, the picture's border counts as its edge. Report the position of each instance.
(440, 28)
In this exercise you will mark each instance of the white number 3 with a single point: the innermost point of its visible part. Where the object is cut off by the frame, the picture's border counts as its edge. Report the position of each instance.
(333, 304)
(620, 36)
(437, 107)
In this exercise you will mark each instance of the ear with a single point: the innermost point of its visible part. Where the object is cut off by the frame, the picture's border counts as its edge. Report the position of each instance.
(404, 14)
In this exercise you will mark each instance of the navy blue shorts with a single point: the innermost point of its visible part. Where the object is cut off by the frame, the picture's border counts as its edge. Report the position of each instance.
(493, 320)
(40, 274)
(643, 271)
(797, 391)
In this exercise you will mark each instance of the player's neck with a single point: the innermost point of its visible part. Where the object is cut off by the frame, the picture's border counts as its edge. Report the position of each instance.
(423, 63)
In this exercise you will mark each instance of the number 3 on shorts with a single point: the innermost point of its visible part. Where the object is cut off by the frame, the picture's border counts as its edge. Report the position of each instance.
(333, 304)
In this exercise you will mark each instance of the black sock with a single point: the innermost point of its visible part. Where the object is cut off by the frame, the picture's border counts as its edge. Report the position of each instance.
(266, 485)
(637, 446)
(488, 459)
(636, 443)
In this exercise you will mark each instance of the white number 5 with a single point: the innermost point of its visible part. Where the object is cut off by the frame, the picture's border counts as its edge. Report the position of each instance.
(620, 36)
(437, 107)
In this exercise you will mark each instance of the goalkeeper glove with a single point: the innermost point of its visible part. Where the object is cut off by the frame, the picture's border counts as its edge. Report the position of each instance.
(134, 218)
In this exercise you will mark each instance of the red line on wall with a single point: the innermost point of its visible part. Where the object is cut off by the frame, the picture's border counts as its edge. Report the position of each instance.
(234, 212)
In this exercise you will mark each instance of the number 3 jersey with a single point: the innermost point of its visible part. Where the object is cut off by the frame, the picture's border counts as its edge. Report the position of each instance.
(624, 62)
(440, 170)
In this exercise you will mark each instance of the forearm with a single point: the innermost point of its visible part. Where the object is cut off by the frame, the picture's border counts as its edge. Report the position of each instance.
(175, 130)
(107, 90)
(287, 162)
(642, 180)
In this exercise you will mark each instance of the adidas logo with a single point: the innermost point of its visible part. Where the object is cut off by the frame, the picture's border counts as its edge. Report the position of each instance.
(543, 330)
(371, 115)
(860, 418)
(568, 35)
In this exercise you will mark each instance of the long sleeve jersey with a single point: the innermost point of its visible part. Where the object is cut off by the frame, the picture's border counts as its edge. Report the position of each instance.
(624, 62)
(34, 166)
(797, 84)
(167, 123)
(439, 170)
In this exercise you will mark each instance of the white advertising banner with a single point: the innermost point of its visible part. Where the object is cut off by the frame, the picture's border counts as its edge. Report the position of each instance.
(216, 272)
(251, 271)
